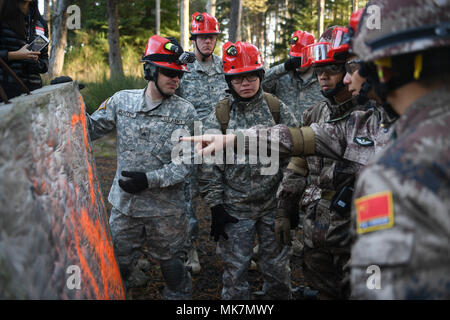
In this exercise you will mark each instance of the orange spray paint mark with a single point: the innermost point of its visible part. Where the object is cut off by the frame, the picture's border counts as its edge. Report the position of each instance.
(98, 240)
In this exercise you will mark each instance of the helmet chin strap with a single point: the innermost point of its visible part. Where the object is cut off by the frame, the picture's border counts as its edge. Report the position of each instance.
(151, 74)
(330, 94)
(362, 97)
(204, 56)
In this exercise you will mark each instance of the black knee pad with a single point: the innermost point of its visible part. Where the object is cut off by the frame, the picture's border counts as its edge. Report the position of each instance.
(173, 271)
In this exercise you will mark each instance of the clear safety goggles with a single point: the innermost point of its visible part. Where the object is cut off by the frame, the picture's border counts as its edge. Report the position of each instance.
(316, 53)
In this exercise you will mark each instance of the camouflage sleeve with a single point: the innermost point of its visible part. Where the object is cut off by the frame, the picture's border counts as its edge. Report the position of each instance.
(175, 171)
(287, 117)
(292, 186)
(271, 77)
(278, 138)
(329, 139)
(211, 175)
(103, 120)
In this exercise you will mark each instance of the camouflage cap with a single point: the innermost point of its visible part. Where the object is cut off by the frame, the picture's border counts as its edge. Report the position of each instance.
(390, 28)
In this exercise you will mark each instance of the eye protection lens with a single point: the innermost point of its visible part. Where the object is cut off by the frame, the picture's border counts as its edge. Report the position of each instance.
(331, 69)
(240, 79)
(352, 66)
(171, 73)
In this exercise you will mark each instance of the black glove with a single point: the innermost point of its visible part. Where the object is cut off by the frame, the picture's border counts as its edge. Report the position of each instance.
(137, 183)
(219, 218)
(294, 217)
(292, 64)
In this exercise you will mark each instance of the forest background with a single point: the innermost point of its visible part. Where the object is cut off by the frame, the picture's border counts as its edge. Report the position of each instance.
(100, 43)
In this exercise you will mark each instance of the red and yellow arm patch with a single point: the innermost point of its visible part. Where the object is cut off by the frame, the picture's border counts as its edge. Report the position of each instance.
(374, 212)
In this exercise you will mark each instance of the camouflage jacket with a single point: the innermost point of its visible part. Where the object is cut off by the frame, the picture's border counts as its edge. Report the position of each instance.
(241, 188)
(297, 92)
(203, 88)
(401, 208)
(144, 144)
(323, 171)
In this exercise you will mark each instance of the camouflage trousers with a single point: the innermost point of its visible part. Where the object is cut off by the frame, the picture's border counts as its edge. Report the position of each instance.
(326, 250)
(192, 194)
(162, 238)
(236, 254)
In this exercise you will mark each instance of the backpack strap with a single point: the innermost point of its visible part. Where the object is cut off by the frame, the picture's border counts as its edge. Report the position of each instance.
(274, 106)
(223, 113)
(223, 110)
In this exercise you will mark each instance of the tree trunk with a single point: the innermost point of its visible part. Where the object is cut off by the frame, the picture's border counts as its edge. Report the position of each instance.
(158, 17)
(354, 5)
(211, 7)
(235, 20)
(59, 39)
(184, 24)
(115, 58)
(277, 22)
(47, 17)
(320, 13)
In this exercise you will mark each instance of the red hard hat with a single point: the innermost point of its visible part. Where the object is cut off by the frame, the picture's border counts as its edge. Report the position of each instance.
(240, 57)
(355, 19)
(339, 43)
(299, 40)
(204, 23)
(157, 48)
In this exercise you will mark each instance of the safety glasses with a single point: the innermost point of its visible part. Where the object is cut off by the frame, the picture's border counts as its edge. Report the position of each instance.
(331, 69)
(170, 73)
(352, 66)
(240, 79)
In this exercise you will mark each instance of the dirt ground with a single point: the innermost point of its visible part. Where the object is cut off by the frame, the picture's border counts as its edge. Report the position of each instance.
(207, 285)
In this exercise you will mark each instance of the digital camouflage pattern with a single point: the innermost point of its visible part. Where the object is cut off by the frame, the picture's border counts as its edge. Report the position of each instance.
(396, 17)
(203, 88)
(237, 252)
(230, 184)
(161, 237)
(250, 197)
(413, 253)
(144, 144)
(155, 216)
(298, 92)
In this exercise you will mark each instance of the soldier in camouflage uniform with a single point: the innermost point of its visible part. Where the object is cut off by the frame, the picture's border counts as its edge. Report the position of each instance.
(312, 182)
(293, 84)
(337, 149)
(204, 86)
(402, 198)
(242, 200)
(147, 194)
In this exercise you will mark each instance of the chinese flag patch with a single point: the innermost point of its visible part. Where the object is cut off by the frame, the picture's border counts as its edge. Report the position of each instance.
(374, 212)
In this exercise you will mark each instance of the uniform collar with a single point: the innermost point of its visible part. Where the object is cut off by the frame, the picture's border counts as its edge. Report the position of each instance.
(248, 105)
(216, 65)
(159, 110)
(341, 109)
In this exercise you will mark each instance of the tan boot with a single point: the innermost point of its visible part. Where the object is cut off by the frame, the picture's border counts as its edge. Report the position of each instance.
(193, 261)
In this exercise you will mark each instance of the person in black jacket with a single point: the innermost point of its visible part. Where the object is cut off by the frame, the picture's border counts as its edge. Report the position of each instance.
(20, 24)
